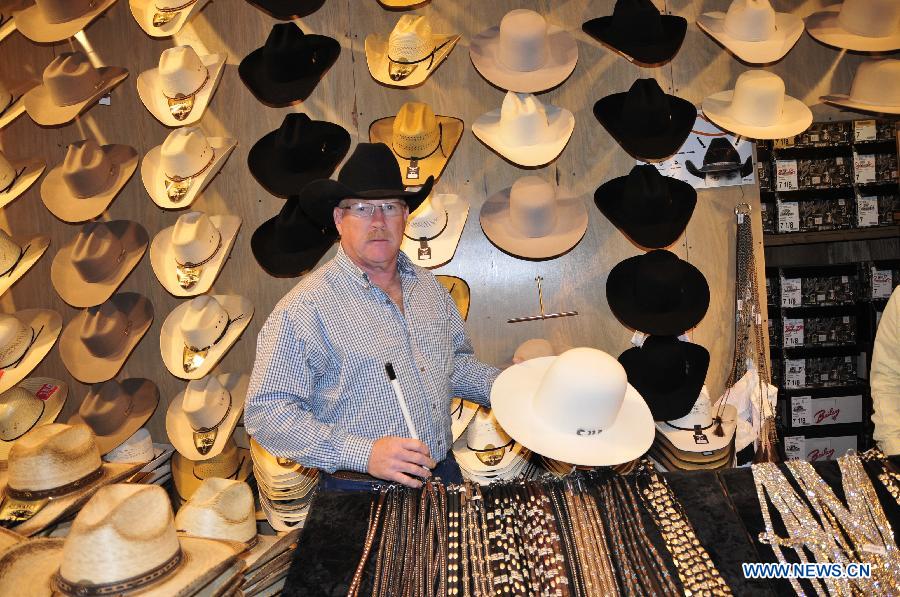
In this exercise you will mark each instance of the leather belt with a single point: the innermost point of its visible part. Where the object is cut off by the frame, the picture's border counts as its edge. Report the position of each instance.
(354, 476)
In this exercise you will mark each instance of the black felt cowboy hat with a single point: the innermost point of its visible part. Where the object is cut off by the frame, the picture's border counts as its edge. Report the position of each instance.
(667, 373)
(721, 156)
(637, 30)
(371, 172)
(288, 67)
(651, 209)
(299, 151)
(647, 123)
(287, 10)
(289, 244)
(657, 293)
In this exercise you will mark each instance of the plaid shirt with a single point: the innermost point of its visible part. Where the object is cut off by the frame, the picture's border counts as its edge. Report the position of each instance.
(319, 394)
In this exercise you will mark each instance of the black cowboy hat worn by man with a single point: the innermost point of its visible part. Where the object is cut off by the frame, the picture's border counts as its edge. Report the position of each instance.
(319, 393)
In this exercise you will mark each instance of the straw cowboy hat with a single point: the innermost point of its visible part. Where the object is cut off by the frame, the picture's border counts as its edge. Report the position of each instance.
(17, 177)
(288, 10)
(290, 244)
(201, 418)
(524, 53)
(178, 91)
(198, 333)
(71, 85)
(410, 54)
(96, 342)
(116, 410)
(721, 156)
(162, 18)
(188, 256)
(17, 255)
(753, 31)
(875, 88)
(131, 525)
(26, 337)
(232, 463)
(860, 25)
(422, 142)
(32, 403)
(637, 31)
(53, 470)
(461, 414)
(459, 292)
(695, 431)
(485, 447)
(88, 269)
(433, 230)
(533, 219)
(758, 108)
(138, 447)
(11, 103)
(576, 407)
(49, 21)
(176, 172)
(525, 131)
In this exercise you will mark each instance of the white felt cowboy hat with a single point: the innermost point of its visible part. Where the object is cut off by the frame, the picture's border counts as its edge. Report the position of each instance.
(48, 21)
(753, 31)
(410, 53)
(696, 431)
(34, 402)
(859, 25)
(178, 91)
(26, 337)
(12, 104)
(17, 256)
(162, 18)
(875, 88)
(202, 417)
(16, 177)
(433, 230)
(524, 53)
(758, 108)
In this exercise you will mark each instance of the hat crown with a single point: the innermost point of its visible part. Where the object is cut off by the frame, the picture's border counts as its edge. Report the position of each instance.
(224, 466)
(484, 431)
(52, 456)
(637, 18)
(750, 20)
(20, 410)
(137, 448)
(294, 231)
(523, 43)
(666, 358)
(658, 281)
(523, 119)
(721, 151)
(86, 170)
(877, 82)
(7, 171)
(61, 11)
(415, 132)
(532, 206)
(9, 252)
(428, 219)
(870, 18)
(106, 407)
(203, 322)
(104, 329)
(646, 109)
(532, 349)
(71, 78)
(206, 402)
(758, 98)
(219, 509)
(287, 53)
(185, 152)
(181, 71)
(700, 414)
(14, 339)
(124, 531)
(646, 195)
(194, 238)
(581, 392)
(97, 253)
(371, 166)
(411, 39)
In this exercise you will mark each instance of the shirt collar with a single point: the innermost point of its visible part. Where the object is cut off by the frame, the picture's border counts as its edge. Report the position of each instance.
(404, 265)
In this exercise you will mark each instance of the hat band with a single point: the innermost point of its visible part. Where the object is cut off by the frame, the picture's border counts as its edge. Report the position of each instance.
(98, 85)
(427, 238)
(699, 436)
(440, 145)
(401, 69)
(118, 587)
(40, 494)
(490, 456)
(181, 105)
(177, 187)
(192, 358)
(18, 361)
(188, 274)
(12, 183)
(18, 260)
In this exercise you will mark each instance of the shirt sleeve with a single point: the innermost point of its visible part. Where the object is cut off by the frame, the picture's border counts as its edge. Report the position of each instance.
(471, 379)
(278, 411)
(885, 378)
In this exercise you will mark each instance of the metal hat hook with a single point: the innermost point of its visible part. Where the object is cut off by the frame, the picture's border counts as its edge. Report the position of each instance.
(543, 315)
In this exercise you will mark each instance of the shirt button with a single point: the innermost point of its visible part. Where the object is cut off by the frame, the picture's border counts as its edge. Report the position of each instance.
(422, 369)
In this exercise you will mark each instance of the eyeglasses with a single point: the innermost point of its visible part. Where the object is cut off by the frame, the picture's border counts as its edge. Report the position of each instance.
(367, 210)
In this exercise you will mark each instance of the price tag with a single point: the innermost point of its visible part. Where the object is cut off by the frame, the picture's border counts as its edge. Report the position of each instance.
(794, 373)
(788, 216)
(784, 143)
(800, 411)
(793, 332)
(864, 130)
(882, 283)
(866, 211)
(863, 167)
(795, 447)
(786, 175)
(791, 292)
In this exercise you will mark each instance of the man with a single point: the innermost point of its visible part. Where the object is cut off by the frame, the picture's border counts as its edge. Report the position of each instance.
(885, 378)
(319, 393)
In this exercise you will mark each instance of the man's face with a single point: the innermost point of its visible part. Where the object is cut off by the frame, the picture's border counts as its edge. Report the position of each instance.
(373, 240)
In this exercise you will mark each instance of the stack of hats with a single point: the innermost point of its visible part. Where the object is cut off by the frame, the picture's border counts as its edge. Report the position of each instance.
(286, 489)
(486, 453)
(701, 440)
(156, 458)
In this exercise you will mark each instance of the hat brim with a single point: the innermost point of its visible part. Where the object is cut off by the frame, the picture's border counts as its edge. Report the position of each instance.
(154, 178)
(77, 291)
(33, 170)
(35, 246)
(7, 29)
(709, 168)
(788, 29)
(51, 321)
(382, 131)
(149, 86)
(17, 107)
(186, 482)
(825, 27)
(402, 4)
(33, 23)
(685, 315)
(56, 392)
(846, 101)
(571, 224)
(42, 110)
(676, 402)
(283, 264)
(143, 11)
(287, 10)
(676, 460)
(163, 262)
(560, 122)
(459, 292)
(459, 423)
(179, 429)
(376, 47)
(684, 440)
(443, 247)
(267, 167)
(268, 554)
(280, 94)
(662, 143)
(795, 117)
(562, 55)
(145, 398)
(171, 342)
(630, 48)
(84, 365)
(512, 399)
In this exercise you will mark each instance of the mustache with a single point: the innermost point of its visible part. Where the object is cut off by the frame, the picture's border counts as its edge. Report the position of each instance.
(378, 234)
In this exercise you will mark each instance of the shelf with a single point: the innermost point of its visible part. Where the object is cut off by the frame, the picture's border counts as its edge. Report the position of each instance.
(830, 236)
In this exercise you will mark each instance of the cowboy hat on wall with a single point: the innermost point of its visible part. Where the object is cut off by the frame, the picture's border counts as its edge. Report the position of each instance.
(114, 410)
(410, 54)
(859, 25)
(637, 31)
(434, 228)
(17, 176)
(26, 337)
(162, 18)
(178, 91)
(32, 403)
(753, 31)
(289, 244)
(287, 10)
(875, 88)
(49, 21)
(17, 256)
(201, 418)
(11, 100)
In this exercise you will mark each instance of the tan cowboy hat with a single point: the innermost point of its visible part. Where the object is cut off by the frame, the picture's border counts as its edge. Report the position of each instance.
(17, 177)
(88, 179)
(433, 230)
(9, 539)
(131, 525)
(17, 255)
(26, 337)
(753, 31)
(6, 28)
(875, 88)
(486, 447)
(116, 410)
(162, 18)
(49, 21)
(11, 104)
(198, 333)
(176, 172)
(422, 142)
(231, 463)
(53, 470)
(32, 403)
(90, 267)
(70, 86)
(859, 25)
(459, 292)
(533, 219)
(179, 90)
(188, 256)
(409, 54)
(202, 417)
(461, 414)
(97, 341)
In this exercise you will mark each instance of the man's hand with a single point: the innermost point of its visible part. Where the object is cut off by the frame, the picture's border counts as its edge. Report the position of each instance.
(400, 459)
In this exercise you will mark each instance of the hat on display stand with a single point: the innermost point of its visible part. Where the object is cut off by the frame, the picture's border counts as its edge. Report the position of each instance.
(410, 54)
(486, 452)
(17, 177)
(859, 25)
(34, 402)
(88, 269)
(232, 462)
(49, 21)
(433, 230)
(70, 85)
(188, 257)
(11, 97)
(26, 336)
(698, 440)
(459, 292)
(286, 488)
(753, 31)
(524, 53)
(721, 156)
(203, 416)
(287, 10)
(178, 91)
(290, 244)
(875, 88)
(115, 410)
(162, 18)
(638, 31)
(18, 255)
(154, 458)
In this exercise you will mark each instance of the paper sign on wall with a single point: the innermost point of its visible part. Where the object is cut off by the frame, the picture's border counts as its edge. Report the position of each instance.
(788, 216)
(791, 292)
(866, 211)
(786, 175)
